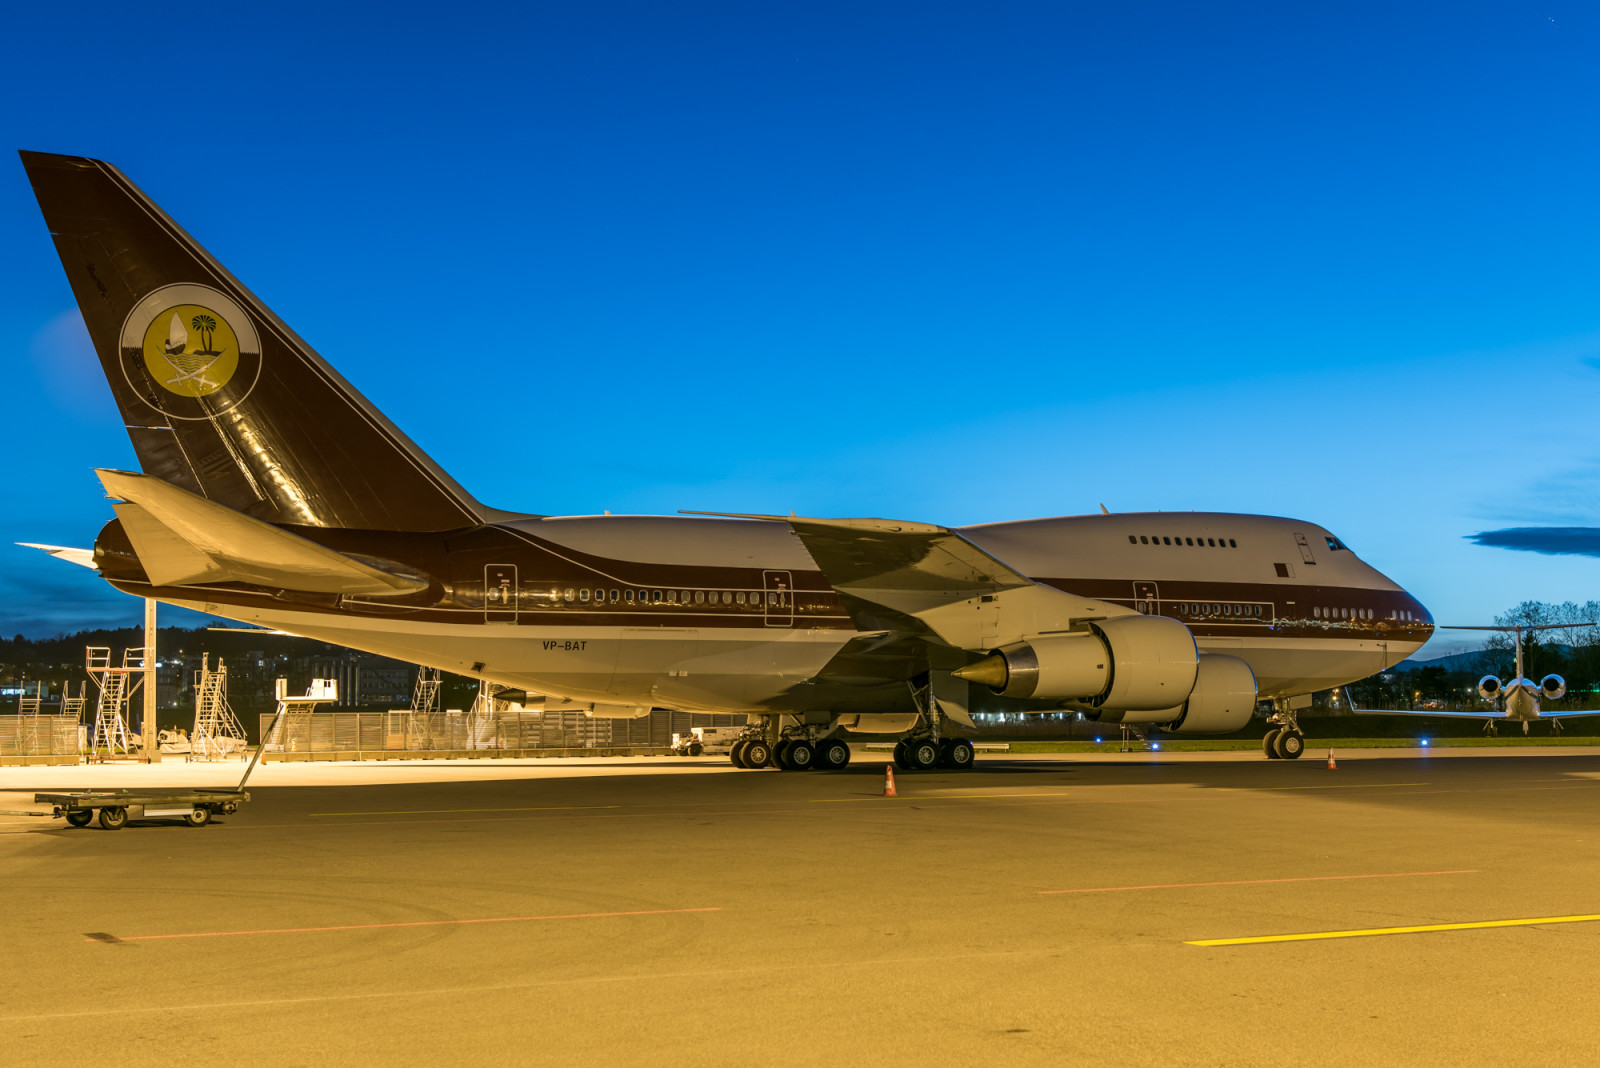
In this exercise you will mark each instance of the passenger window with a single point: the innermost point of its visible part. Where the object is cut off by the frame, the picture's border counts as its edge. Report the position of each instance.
(1132, 540)
(1168, 541)
(655, 596)
(1232, 544)
(569, 594)
(1189, 540)
(1211, 542)
(614, 596)
(727, 598)
(739, 597)
(1143, 540)
(627, 595)
(583, 595)
(699, 596)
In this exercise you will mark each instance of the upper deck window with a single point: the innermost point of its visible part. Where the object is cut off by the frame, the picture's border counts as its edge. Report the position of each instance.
(1334, 544)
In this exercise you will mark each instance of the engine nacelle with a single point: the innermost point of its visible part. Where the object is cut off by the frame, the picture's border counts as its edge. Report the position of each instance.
(1130, 663)
(1553, 687)
(1489, 687)
(1223, 700)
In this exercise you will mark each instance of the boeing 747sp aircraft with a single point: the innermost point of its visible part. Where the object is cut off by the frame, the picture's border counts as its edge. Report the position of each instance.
(272, 492)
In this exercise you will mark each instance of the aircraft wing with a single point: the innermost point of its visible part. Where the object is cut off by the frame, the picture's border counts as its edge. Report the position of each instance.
(182, 538)
(1567, 713)
(1350, 704)
(918, 578)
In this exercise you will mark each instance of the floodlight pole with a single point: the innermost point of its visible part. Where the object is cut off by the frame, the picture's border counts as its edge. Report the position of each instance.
(152, 752)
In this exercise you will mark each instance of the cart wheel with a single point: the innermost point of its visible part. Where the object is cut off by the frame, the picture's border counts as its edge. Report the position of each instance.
(80, 817)
(113, 818)
(198, 817)
(230, 808)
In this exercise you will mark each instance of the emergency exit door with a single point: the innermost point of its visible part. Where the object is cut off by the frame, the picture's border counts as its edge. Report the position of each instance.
(780, 598)
(1146, 598)
(500, 593)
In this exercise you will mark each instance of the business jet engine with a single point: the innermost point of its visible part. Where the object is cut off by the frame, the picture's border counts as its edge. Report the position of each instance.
(1553, 687)
(1489, 687)
(1129, 663)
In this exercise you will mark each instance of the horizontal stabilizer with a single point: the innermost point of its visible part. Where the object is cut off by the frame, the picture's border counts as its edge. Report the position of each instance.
(81, 557)
(182, 539)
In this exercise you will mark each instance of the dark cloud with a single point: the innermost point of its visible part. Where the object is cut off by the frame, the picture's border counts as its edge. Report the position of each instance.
(1553, 541)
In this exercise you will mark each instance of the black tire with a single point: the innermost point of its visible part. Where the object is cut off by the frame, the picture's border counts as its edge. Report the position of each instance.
(922, 754)
(695, 749)
(1269, 744)
(80, 817)
(901, 761)
(798, 755)
(958, 754)
(833, 754)
(199, 816)
(736, 754)
(113, 818)
(757, 754)
(1290, 745)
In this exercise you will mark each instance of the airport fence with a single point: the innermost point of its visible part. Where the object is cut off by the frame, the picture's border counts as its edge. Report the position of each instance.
(39, 735)
(360, 732)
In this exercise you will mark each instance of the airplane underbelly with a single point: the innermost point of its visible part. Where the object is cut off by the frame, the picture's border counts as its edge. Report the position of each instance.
(1301, 665)
(690, 669)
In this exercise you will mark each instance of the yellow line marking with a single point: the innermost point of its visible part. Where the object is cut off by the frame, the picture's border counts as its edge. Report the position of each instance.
(1394, 930)
(438, 811)
(930, 797)
(1330, 786)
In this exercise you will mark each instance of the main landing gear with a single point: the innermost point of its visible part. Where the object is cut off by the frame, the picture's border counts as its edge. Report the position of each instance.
(791, 754)
(1285, 740)
(925, 754)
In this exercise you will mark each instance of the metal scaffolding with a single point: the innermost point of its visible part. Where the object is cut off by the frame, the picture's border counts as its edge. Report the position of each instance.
(116, 686)
(217, 731)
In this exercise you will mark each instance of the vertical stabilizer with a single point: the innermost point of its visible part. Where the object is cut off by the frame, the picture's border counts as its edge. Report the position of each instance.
(219, 396)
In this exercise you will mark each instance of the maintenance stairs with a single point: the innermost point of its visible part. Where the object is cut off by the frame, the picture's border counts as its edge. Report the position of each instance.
(217, 731)
(116, 685)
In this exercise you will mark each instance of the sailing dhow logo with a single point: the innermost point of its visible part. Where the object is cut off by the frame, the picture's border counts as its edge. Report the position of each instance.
(184, 346)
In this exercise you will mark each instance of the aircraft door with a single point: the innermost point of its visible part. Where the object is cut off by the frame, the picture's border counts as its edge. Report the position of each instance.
(780, 598)
(500, 595)
(1305, 548)
(1146, 598)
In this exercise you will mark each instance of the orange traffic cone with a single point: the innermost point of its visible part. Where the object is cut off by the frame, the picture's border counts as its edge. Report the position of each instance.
(888, 781)
(1332, 766)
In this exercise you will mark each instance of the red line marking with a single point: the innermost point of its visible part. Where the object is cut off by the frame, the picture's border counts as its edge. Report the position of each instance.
(1256, 882)
(413, 923)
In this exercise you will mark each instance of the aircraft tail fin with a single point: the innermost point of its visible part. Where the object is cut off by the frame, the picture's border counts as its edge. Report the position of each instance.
(219, 396)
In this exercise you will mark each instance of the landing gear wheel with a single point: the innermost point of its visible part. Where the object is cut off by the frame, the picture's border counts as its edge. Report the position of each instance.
(81, 817)
(797, 755)
(832, 754)
(900, 760)
(1269, 744)
(922, 754)
(113, 819)
(199, 817)
(757, 754)
(736, 754)
(1290, 744)
(956, 753)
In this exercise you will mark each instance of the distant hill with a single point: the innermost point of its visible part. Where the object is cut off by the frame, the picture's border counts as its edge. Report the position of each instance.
(1473, 660)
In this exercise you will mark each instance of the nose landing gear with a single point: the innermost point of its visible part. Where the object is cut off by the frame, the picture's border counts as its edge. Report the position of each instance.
(1284, 741)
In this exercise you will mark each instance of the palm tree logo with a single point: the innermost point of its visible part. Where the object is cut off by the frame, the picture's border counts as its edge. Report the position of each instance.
(205, 326)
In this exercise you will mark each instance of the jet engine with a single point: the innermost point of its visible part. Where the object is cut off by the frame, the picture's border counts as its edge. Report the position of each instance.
(1489, 687)
(1136, 663)
(1223, 700)
(1553, 687)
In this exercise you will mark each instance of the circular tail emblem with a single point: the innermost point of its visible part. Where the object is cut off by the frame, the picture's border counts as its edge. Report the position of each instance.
(190, 352)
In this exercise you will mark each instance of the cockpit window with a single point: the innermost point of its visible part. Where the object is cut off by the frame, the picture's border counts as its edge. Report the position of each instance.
(1334, 544)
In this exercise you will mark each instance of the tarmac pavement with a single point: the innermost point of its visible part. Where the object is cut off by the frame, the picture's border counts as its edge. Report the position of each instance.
(1034, 910)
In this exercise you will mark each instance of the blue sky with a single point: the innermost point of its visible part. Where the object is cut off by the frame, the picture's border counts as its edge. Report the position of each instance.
(948, 262)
